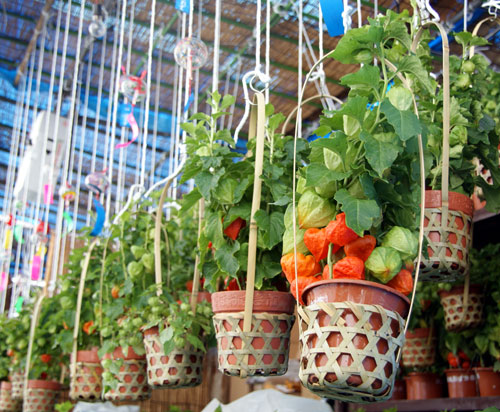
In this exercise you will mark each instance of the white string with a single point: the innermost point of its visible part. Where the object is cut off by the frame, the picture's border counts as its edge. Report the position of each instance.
(82, 143)
(257, 34)
(215, 70)
(116, 70)
(360, 17)
(466, 11)
(58, 251)
(268, 48)
(148, 91)
(157, 106)
(97, 121)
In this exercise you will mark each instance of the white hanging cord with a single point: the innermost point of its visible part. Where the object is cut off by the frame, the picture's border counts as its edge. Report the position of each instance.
(138, 151)
(322, 78)
(157, 107)
(360, 16)
(426, 12)
(466, 12)
(76, 201)
(97, 120)
(375, 8)
(116, 71)
(215, 71)
(268, 48)
(493, 7)
(58, 251)
(148, 91)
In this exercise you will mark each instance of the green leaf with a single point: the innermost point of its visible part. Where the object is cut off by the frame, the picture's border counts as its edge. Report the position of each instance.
(166, 335)
(213, 228)
(366, 76)
(412, 64)
(206, 181)
(227, 262)
(271, 228)
(266, 269)
(486, 124)
(380, 155)
(196, 342)
(405, 123)
(360, 213)
(190, 128)
(225, 136)
(241, 210)
(355, 107)
(319, 175)
(397, 30)
(189, 200)
(337, 143)
(322, 131)
(189, 171)
(227, 101)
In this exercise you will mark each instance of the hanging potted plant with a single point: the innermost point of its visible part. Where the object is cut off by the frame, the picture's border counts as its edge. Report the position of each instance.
(17, 330)
(129, 270)
(176, 332)
(86, 378)
(43, 387)
(486, 337)
(471, 134)
(240, 242)
(7, 404)
(358, 210)
(460, 376)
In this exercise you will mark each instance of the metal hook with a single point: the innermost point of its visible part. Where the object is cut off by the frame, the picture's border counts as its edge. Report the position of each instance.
(426, 11)
(493, 7)
(264, 79)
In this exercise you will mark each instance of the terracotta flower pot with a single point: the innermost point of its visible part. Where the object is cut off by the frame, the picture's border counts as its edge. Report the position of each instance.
(87, 383)
(132, 381)
(424, 385)
(419, 348)
(457, 317)
(7, 404)
(461, 383)
(265, 350)
(204, 296)
(348, 348)
(399, 391)
(488, 381)
(448, 256)
(41, 396)
(181, 368)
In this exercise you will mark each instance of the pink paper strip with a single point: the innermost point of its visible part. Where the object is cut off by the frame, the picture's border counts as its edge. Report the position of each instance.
(35, 267)
(47, 194)
(3, 281)
(135, 130)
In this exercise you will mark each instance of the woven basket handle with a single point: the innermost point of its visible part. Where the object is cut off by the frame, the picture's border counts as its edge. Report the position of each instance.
(256, 130)
(76, 329)
(446, 121)
(309, 99)
(476, 30)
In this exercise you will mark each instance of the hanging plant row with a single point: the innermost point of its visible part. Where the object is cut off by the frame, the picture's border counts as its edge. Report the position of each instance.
(341, 238)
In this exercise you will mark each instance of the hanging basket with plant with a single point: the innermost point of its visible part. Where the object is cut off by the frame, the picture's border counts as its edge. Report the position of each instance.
(240, 239)
(358, 215)
(7, 404)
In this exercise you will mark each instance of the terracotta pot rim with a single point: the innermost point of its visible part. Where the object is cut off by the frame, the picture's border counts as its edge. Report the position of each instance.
(88, 355)
(41, 384)
(118, 354)
(459, 290)
(459, 371)
(6, 385)
(483, 369)
(418, 333)
(457, 201)
(410, 374)
(154, 330)
(285, 307)
(356, 282)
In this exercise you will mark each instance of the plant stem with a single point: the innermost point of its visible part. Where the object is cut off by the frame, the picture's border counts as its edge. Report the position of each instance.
(122, 252)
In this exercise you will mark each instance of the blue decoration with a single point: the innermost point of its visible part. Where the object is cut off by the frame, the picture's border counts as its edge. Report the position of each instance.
(100, 218)
(332, 16)
(182, 5)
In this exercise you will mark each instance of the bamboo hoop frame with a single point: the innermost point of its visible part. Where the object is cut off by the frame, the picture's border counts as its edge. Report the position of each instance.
(406, 84)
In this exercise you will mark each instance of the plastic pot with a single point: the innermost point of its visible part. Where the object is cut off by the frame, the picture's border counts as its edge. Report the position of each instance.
(424, 385)
(346, 309)
(86, 385)
(132, 380)
(461, 383)
(41, 396)
(181, 368)
(399, 391)
(457, 317)
(488, 381)
(265, 350)
(419, 350)
(448, 254)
